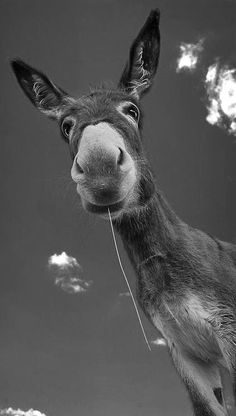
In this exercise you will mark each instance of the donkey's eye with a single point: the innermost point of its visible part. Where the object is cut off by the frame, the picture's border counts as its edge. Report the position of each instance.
(66, 127)
(133, 111)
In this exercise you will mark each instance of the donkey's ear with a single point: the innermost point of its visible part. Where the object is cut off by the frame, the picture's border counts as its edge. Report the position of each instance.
(143, 59)
(46, 96)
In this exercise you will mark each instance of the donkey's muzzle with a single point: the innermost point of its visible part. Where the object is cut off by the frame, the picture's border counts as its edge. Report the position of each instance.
(103, 169)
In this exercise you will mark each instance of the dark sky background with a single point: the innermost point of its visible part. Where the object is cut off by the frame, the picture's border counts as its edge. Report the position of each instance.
(70, 355)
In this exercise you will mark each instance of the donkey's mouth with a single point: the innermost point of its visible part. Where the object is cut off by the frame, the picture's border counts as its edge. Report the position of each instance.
(114, 206)
(103, 209)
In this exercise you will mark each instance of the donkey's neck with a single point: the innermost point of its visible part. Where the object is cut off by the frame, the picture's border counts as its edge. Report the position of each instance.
(150, 235)
(150, 231)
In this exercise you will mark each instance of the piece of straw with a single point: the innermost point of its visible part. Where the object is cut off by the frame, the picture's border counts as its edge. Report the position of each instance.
(127, 282)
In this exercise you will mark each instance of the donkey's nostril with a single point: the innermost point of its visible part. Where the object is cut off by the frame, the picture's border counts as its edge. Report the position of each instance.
(78, 167)
(120, 159)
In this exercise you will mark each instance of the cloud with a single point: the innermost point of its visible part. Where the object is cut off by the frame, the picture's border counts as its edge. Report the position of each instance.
(124, 294)
(159, 342)
(220, 83)
(63, 260)
(189, 56)
(19, 412)
(67, 272)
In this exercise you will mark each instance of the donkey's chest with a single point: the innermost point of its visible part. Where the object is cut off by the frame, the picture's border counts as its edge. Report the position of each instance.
(187, 327)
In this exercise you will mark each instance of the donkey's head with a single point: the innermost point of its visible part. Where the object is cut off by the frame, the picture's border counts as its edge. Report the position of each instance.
(103, 129)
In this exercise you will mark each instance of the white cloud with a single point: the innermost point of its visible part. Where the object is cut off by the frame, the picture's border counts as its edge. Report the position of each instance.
(62, 260)
(125, 294)
(19, 412)
(220, 83)
(159, 342)
(232, 127)
(189, 55)
(67, 273)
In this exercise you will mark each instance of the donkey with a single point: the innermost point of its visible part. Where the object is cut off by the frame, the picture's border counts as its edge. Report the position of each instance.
(186, 279)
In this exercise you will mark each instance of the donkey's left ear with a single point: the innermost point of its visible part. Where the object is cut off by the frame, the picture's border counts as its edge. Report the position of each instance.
(138, 74)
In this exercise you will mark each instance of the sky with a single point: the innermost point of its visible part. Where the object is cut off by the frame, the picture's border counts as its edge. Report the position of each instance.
(67, 351)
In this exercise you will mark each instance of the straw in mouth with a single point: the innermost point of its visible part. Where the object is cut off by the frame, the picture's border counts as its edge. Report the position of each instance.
(127, 282)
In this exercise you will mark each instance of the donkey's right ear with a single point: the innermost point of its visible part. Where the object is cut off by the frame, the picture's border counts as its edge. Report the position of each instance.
(45, 95)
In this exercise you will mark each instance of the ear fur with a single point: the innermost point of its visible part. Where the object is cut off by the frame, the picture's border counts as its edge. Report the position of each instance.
(141, 67)
(45, 95)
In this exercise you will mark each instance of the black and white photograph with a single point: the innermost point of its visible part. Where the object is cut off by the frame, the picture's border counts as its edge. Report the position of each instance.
(118, 208)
